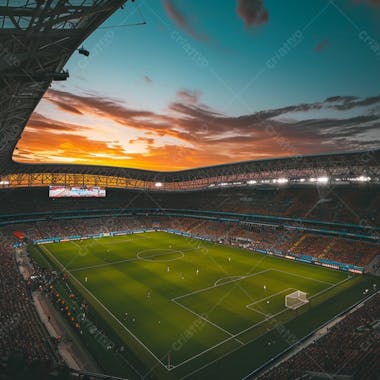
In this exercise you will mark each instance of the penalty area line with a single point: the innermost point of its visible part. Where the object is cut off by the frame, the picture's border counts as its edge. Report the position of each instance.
(249, 306)
(305, 277)
(222, 284)
(208, 321)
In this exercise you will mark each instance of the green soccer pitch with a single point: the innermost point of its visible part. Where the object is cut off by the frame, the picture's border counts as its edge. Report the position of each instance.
(185, 307)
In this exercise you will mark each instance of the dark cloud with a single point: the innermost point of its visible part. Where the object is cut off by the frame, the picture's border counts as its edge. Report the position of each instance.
(182, 21)
(345, 103)
(40, 122)
(341, 98)
(147, 79)
(189, 96)
(252, 12)
(66, 107)
(147, 140)
(322, 45)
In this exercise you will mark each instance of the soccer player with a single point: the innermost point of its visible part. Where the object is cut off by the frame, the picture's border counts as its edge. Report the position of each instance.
(85, 279)
(168, 269)
(197, 272)
(265, 287)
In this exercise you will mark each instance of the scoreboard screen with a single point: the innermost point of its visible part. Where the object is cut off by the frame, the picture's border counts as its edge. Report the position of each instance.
(76, 191)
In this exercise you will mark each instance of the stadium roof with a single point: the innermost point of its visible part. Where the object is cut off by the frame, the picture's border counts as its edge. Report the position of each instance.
(36, 40)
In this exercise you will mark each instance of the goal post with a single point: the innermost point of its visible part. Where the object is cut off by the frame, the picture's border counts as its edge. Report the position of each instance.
(296, 299)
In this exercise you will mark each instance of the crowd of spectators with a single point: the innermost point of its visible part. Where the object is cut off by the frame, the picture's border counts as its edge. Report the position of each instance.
(349, 348)
(346, 204)
(22, 335)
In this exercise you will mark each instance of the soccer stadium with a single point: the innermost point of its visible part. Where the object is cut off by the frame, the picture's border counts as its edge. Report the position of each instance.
(145, 237)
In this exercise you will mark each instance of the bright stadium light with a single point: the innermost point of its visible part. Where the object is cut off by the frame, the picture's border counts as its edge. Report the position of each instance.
(251, 182)
(362, 178)
(323, 179)
(282, 180)
(4, 182)
(158, 184)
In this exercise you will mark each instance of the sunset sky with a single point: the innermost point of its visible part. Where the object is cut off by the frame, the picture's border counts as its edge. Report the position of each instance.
(210, 82)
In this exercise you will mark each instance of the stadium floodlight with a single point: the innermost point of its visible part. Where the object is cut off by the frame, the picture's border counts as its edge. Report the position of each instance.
(362, 178)
(323, 179)
(4, 183)
(158, 184)
(282, 180)
(251, 182)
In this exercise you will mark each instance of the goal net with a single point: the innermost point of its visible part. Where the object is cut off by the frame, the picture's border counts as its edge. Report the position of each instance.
(296, 299)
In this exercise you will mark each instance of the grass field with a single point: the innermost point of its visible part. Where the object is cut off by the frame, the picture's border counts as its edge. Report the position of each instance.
(181, 305)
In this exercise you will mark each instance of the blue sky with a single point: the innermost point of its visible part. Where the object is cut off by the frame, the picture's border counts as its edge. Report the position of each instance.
(193, 60)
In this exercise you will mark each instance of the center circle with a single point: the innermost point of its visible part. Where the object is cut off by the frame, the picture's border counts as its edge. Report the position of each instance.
(158, 255)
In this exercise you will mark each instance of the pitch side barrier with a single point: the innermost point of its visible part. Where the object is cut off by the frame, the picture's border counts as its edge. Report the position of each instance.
(290, 256)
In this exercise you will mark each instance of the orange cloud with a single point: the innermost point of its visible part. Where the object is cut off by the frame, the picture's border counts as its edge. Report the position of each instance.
(191, 134)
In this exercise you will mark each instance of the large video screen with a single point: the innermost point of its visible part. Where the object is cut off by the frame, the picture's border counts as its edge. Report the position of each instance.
(76, 191)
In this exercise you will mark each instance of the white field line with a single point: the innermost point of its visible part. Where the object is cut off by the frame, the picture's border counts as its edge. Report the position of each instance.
(132, 259)
(258, 312)
(223, 341)
(219, 285)
(219, 281)
(330, 287)
(104, 265)
(267, 298)
(242, 332)
(206, 320)
(305, 277)
(285, 309)
(125, 240)
(105, 308)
